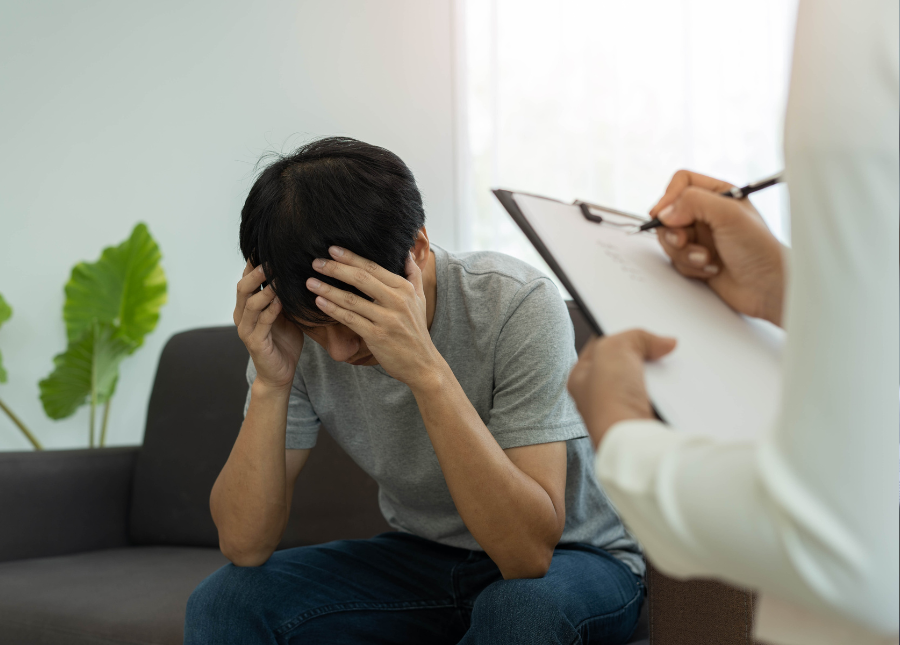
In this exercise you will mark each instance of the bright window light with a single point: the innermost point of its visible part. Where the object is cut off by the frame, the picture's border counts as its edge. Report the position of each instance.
(604, 100)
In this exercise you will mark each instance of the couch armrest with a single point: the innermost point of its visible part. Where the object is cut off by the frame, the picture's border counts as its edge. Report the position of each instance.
(687, 612)
(64, 501)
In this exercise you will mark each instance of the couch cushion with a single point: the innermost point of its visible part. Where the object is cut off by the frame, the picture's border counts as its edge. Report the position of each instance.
(131, 595)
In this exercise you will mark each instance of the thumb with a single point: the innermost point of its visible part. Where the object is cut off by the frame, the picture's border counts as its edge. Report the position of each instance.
(414, 274)
(651, 346)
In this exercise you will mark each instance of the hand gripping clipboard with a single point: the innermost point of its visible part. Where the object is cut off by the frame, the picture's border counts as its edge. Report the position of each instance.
(723, 379)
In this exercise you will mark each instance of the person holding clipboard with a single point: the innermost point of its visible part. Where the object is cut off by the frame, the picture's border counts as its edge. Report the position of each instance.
(805, 515)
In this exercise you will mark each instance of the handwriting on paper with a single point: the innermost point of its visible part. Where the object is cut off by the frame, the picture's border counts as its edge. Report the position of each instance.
(613, 253)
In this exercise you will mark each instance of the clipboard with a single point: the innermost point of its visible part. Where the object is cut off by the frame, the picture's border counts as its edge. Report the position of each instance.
(724, 378)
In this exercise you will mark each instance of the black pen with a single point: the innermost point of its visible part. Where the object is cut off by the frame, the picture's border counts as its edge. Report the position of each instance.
(734, 193)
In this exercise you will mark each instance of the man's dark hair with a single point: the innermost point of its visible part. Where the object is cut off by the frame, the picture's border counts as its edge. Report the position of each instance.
(332, 191)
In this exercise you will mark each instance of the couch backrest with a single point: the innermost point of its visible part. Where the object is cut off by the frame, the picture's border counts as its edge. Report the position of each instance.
(583, 330)
(193, 418)
(195, 413)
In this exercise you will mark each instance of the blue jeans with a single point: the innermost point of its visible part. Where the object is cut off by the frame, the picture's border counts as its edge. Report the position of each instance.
(399, 588)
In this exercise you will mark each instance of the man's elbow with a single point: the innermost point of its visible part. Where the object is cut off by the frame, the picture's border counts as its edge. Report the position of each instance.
(527, 563)
(245, 555)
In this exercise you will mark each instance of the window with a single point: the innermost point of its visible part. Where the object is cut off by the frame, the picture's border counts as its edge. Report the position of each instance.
(604, 99)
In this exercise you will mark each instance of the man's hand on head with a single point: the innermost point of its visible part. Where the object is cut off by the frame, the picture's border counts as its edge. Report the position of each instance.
(394, 324)
(273, 342)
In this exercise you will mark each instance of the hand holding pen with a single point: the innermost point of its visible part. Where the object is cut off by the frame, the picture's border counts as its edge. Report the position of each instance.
(734, 193)
(713, 236)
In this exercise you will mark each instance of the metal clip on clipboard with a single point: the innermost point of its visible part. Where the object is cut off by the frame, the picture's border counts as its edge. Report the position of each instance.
(610, 216)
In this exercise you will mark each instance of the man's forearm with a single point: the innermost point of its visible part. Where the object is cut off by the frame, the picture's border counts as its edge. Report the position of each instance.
(510, 514)
(248, 501)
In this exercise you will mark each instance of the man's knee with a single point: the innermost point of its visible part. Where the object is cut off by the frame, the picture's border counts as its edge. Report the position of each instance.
(520, 611)
(225, 604)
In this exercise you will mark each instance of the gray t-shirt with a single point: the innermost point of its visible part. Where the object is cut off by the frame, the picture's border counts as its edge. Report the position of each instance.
(505, 332)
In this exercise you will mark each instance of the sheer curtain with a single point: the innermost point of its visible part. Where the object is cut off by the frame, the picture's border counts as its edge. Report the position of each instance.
(604, 99)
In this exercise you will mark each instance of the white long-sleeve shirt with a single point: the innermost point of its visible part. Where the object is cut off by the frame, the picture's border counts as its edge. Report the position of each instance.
(807, 515)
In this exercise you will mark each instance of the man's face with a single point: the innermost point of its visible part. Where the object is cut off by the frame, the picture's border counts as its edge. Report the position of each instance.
(342, 344)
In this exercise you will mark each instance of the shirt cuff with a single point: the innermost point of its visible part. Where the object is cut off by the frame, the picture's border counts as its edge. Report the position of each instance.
(629, 454)
(638, 465)
(518, 437)
(301, 439)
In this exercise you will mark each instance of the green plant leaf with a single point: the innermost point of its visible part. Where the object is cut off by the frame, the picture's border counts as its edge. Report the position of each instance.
(92, 359)
(125, 288)
(5, 310)
(5, 314)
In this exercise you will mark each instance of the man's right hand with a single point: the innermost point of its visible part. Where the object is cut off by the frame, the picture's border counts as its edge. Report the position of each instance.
(723, 241)
(274, 343)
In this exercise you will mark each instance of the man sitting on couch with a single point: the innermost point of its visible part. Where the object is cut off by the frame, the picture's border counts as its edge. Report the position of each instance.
(444, 377)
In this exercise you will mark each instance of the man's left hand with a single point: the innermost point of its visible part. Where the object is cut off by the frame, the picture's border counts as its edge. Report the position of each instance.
(607, 383)
(394, 325)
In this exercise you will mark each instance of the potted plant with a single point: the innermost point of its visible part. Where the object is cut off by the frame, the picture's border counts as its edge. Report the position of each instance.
(110, 306)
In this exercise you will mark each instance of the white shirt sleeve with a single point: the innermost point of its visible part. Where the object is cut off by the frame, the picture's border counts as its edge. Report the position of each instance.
(808, 514)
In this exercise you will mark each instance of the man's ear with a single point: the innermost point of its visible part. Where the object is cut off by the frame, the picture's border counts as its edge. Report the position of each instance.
(421, 248)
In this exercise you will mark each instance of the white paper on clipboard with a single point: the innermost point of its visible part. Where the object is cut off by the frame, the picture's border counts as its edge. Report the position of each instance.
(723, 379)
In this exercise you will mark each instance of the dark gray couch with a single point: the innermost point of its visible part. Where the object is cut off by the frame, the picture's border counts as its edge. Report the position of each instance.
(105, 546)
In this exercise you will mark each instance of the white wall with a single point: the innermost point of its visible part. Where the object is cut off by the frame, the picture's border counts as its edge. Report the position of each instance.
(118, 112)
